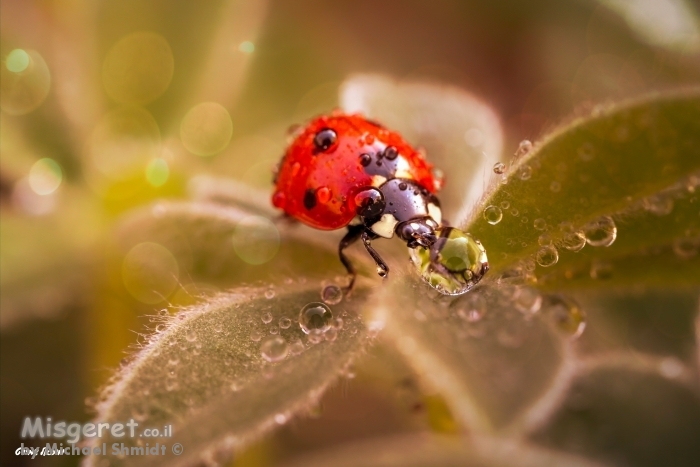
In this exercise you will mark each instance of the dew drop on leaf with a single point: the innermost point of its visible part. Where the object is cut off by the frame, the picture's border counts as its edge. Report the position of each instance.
(547, 256)
(191, 336)
(332, 294)
(315, 316)
(601, 232)
(574, 241)
(505, 204)
(493, 215)
(527, 300)
(331, 334)
(255, 335)
(658, 205)
(470, 308)
(524, 147)
(269, 294)
(266, 318)
(540, 224)
(274, 349)
(566, 315)
(525, 172)
(284, 323)
(499, 168)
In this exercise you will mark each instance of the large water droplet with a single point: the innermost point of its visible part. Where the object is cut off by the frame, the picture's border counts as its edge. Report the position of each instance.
(574, 241)
(460, 262)
(332, 294)
(493, 215)
(315, 316)
(499, 168)
(567, 315)
(274, 349)
(601, 232)
(547, 256)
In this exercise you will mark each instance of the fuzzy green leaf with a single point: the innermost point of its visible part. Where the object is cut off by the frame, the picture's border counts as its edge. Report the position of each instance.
(204, 371)
(592, 167)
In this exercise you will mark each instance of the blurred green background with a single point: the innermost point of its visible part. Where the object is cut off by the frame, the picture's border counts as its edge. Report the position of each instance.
(107, 106)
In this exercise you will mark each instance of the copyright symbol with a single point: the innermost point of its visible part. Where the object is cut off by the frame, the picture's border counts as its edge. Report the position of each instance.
(177, 449)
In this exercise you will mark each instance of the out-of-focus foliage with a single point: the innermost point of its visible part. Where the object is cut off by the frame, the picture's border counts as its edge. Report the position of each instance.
(108, 107)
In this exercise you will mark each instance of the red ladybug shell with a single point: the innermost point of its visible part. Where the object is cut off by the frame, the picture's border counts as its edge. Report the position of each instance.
(333, 177)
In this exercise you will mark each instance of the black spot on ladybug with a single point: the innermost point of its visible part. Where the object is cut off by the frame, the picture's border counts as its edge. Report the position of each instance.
(365, 160)
(403, 186)
(379, 163)
(310, 199)
(391, 153)
(324, 139)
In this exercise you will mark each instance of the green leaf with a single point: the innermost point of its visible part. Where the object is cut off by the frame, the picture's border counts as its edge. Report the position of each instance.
(594, 166)
(204, 372)
(485, 352)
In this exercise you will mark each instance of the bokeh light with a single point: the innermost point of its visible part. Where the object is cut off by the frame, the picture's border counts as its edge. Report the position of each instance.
(25, 82)
(17, 61)
(246, 47)
(150, 272)
(138, 68)
(206, 129)
(256, 240)
(45, 176)
(157, 172)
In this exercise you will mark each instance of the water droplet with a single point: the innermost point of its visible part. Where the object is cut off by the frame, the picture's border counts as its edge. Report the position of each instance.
(524, 220)
(524, 147)
(461, 262)
(332, 294)
(586, 152)
(540, 224)
(686, 247)
(297, 347)
(274, 349)
(315, 316)
(274, 330)
(567, 315)
(505, 204)
(499, 168)
(527, 300)
(601, 232)
(315, 336)
(269, 294)
(284, 323)
(493, 215)
(547, 256)
(574, 241)
(544, 239)
(381, 272)
(338, 323)
(255, 335)
(515, 212)
(658, 205)
(266, 318)
(470, 308)
(525, 172)
(555, 187)
(191, 336)
(331, 334)
(323, 195)
(601, 270)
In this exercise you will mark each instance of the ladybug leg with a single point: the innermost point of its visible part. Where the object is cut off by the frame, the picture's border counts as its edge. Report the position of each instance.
(382, 268)
(350, 237)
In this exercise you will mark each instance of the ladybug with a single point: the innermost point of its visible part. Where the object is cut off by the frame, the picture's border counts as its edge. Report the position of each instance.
(348, 171)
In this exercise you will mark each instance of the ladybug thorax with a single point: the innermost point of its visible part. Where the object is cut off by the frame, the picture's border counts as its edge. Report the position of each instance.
(337, 158)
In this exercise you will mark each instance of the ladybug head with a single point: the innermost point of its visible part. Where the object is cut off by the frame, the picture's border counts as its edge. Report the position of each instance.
(418, 232)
